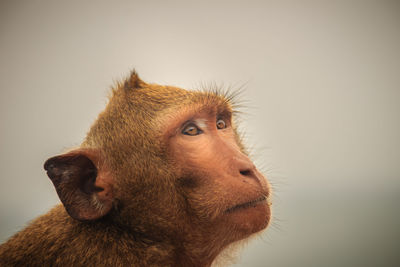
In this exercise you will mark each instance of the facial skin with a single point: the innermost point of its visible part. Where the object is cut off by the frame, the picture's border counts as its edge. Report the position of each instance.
(213, 168)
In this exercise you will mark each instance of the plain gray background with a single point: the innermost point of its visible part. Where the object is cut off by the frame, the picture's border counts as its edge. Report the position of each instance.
(322, 90)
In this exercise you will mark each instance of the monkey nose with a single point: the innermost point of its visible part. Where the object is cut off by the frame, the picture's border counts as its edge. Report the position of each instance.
(249, 175)
(246, 172)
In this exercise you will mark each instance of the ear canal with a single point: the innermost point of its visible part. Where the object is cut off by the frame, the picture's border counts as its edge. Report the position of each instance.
(134, 82)
(76, 178)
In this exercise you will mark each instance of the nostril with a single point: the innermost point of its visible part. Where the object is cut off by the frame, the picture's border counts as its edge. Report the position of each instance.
(249, 176)
(245, 173)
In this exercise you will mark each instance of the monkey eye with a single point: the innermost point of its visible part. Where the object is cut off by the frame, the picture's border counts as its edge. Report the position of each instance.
(192, 130)
(221, 124)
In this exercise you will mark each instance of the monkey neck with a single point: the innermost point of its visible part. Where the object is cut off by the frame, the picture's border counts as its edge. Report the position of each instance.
(107, 240)
(186, 248)
(188, 244)
(191, 255)
(199, 251)
(201, 245)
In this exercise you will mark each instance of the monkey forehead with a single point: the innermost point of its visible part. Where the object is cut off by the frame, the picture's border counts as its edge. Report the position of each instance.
(170, 96)
(154, 98)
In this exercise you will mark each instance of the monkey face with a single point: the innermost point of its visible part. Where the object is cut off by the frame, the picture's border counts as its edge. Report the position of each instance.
(220, 183)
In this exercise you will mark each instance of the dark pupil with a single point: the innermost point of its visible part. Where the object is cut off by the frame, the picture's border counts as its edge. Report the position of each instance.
(220, 124)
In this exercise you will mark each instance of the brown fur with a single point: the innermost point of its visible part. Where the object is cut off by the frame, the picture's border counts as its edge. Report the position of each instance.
(138, 192)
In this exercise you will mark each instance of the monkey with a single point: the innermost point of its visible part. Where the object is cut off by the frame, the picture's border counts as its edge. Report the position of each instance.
(162, 178)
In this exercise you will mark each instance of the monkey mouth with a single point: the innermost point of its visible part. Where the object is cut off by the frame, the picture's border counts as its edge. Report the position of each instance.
(246, 205)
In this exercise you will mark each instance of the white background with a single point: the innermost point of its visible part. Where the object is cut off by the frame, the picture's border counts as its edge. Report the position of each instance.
(323, 104)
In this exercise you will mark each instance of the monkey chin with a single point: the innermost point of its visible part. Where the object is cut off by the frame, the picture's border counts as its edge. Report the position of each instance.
(251, 217)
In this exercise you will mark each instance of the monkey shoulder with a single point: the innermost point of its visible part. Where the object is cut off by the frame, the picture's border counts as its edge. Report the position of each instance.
(56, 239)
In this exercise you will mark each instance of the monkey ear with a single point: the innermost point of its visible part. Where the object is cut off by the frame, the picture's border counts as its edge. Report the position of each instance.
(134, 82)
(82, 182)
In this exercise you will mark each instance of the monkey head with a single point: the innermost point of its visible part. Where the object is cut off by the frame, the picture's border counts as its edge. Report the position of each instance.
(168, 165)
